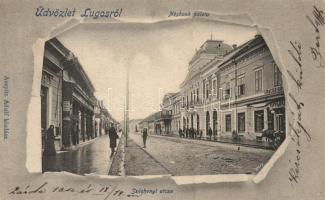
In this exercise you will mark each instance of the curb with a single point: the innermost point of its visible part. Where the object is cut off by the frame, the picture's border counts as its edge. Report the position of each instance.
(120, 150)
(224, 142)
(76, 147)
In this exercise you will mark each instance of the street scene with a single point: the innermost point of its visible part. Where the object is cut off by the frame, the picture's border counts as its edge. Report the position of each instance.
(193, 157)
(216, 107)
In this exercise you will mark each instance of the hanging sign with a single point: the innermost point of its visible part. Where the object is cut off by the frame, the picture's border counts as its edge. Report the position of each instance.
(66, 106)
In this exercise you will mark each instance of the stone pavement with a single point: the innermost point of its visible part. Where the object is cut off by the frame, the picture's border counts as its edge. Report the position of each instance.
(197, 157)
(93, 157)
(136, 161)
(240, 142)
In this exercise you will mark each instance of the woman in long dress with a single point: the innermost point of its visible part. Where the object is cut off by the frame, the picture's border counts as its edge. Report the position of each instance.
(49, 148)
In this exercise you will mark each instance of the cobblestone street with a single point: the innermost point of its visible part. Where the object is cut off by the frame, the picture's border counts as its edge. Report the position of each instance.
(163, 155)
(194, 157)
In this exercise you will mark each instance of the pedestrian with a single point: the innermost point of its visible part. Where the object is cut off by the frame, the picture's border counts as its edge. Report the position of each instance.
(186, 132)
(112, 138)
(144, 137)
(74, 133)
(180, 132)
(201, 133)
(210, 132)
(49, 148)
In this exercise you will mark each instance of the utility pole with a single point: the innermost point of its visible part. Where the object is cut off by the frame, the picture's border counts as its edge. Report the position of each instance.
(127, 107)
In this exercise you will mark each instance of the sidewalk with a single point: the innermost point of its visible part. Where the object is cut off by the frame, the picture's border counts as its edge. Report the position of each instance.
(241, 142)
(90, 157)
(136, 162)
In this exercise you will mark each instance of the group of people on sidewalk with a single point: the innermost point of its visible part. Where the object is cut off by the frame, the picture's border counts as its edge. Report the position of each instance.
(49, 138)
(194, 133)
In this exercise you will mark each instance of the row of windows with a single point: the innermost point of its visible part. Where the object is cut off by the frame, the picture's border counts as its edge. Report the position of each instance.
(258, 121)
(241, 87)
(210, 86)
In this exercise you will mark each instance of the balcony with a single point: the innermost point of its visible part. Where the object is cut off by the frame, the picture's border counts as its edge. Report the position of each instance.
(226, 96)
(274, 90)
(163, 116)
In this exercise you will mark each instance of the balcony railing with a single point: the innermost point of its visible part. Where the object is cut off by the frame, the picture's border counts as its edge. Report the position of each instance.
(163, 116)
(274, 90)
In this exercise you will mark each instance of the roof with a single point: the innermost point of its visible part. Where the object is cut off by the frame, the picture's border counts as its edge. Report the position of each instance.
(151, 117)
(68, 55)
(217, 47)
(258, 39)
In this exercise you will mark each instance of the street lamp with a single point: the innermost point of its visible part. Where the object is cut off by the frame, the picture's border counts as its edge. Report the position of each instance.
(127, 106)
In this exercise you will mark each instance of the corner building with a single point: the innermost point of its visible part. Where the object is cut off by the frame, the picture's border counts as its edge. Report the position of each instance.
(233, 89)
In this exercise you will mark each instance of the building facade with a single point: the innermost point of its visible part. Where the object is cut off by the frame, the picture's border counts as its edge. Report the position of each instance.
(235, 91)
(51, 90)
(67, 99)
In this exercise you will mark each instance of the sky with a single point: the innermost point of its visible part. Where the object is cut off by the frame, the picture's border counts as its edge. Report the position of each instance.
(156, 54)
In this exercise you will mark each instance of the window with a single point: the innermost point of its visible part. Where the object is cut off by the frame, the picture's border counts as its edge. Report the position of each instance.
(197, 92)
(207, 91)
(277, 76)
(259, 120)
(227, 91)
(183, 101)
(241, 122)
(241, 86)
(228, 123)
(214, 87)
(203, 88)
(258, 80)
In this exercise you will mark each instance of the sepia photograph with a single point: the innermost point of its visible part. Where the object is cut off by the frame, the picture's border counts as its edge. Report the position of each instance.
(176, 97)
(164, 100)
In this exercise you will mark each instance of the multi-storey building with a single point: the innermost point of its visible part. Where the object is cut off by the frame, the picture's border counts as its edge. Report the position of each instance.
(176, 101)
(51, 90)
(67, 99)
(233, 90)
(199, 83)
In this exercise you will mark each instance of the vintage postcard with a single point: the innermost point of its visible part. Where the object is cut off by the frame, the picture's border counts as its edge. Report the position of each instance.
(162, 100)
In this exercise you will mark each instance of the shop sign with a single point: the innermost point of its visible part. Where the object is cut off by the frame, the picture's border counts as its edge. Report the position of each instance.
(66, 106)
(46, 79)
(277, 104)
(274, 90)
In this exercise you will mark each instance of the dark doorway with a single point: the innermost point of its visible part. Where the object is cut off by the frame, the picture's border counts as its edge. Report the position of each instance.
(44, 105)
(197, 122)
(215, 123)
(207, 122)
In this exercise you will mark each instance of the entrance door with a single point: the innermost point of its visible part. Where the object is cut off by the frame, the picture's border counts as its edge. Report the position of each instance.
(207, 122)
(197, 122)
(280, 126)
(44, 94)
(215, 123)
(184, 123)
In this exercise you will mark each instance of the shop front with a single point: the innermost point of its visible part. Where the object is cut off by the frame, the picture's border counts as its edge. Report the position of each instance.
(78, 112)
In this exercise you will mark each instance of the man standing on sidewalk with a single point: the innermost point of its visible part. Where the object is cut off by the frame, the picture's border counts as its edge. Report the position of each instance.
(112, 138)
(210, 132)
(144, 137)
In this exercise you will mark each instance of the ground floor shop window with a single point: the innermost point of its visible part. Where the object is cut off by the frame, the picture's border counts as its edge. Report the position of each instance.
(259, 120)
(241, 122)
(228, 123)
